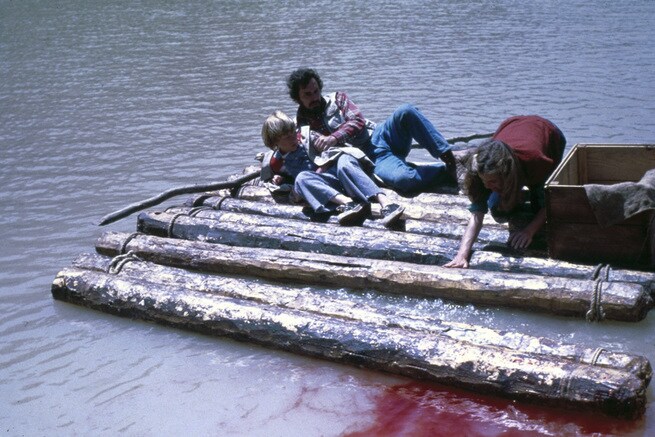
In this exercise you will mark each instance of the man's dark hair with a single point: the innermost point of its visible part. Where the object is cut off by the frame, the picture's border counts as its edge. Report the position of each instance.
(299, 79)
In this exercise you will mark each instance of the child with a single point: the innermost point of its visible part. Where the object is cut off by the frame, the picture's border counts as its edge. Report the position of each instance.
(339, 183)
(524, 151)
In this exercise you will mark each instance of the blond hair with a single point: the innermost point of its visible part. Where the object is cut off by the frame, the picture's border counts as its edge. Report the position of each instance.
(277, 125)
(494, 158)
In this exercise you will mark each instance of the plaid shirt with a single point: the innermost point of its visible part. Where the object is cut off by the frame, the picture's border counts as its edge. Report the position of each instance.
(354, 122)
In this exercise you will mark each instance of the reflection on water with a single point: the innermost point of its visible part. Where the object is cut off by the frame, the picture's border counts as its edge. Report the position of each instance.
(102, 105)
(431, 410)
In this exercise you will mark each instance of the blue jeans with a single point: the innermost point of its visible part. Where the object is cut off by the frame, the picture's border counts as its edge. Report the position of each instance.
(345, 177)
(391, 143)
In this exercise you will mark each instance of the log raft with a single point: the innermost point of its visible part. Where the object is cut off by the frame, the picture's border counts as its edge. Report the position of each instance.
(449, 227)
(373, 308)
(483, 368)
(429, 208)
(184, 278)
(247, 230)
(556, 295)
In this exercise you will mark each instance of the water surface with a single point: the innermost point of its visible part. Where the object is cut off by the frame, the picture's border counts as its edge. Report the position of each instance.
(106, 103)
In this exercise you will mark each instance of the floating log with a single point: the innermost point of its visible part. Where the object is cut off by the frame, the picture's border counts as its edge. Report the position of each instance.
(368, 243)
(489, 369)
(440, 208)
(374, 308)
(247, 230)
(446, 229)
(261, 193)
(563, 296)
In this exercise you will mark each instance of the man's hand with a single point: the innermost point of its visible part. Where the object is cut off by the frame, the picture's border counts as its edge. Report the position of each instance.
(520, 239)
(323, 142)
(277, 179)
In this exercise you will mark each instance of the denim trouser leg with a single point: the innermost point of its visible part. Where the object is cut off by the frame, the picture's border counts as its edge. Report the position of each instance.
(392, 142)
(410, 179)
(317, 189)
(357, 184)
(407, 123)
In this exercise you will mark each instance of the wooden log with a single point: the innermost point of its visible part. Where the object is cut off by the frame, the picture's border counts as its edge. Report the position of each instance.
(491, 260)
(521, 376)
(186, 189)
(369, 243)
(262, 194)
(247, 230)
(440, 208)
(373, 308)
(497, 235)
(490, 233)
(562, 296)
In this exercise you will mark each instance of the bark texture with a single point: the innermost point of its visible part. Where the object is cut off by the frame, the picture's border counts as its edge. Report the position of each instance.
(377, 308)
(491, 369)
(556, 295)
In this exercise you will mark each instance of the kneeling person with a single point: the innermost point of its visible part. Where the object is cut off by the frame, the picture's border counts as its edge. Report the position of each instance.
(524, 151)
(327, 183)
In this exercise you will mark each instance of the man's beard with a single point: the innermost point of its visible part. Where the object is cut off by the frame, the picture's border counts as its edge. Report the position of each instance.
(318, 109)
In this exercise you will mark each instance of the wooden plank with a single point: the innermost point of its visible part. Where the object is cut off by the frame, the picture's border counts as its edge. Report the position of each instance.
(604, 164)
(564, 296)
(620, 245)
(521, 376)
(566, 173)
(569, 204)
(614, 164)
(583, 165)
(373, 308)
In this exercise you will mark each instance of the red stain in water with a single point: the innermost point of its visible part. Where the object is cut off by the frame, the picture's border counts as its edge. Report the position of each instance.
(421, 409)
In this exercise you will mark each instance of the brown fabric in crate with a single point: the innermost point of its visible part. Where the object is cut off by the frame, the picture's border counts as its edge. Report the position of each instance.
(617, 202)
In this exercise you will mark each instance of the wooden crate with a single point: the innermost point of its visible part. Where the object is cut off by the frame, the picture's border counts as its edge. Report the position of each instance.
(573, 232)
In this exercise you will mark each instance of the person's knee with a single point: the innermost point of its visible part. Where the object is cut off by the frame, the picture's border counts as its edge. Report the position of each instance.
(346, 162)
(404, 111)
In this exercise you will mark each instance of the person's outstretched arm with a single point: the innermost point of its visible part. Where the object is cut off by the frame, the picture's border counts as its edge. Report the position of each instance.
(461, 260)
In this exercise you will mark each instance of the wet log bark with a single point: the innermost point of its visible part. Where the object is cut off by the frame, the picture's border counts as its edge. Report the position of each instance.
(489, 233)
(372, 308)
(521, 376)
(555, 295)
(248, 230)
(366, 243)
(429, 206)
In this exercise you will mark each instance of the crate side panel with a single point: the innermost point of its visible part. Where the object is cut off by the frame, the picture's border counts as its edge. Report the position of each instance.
(618, 244)
(614, 164)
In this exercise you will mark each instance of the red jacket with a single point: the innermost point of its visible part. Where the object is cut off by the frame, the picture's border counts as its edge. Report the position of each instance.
(537, 143)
